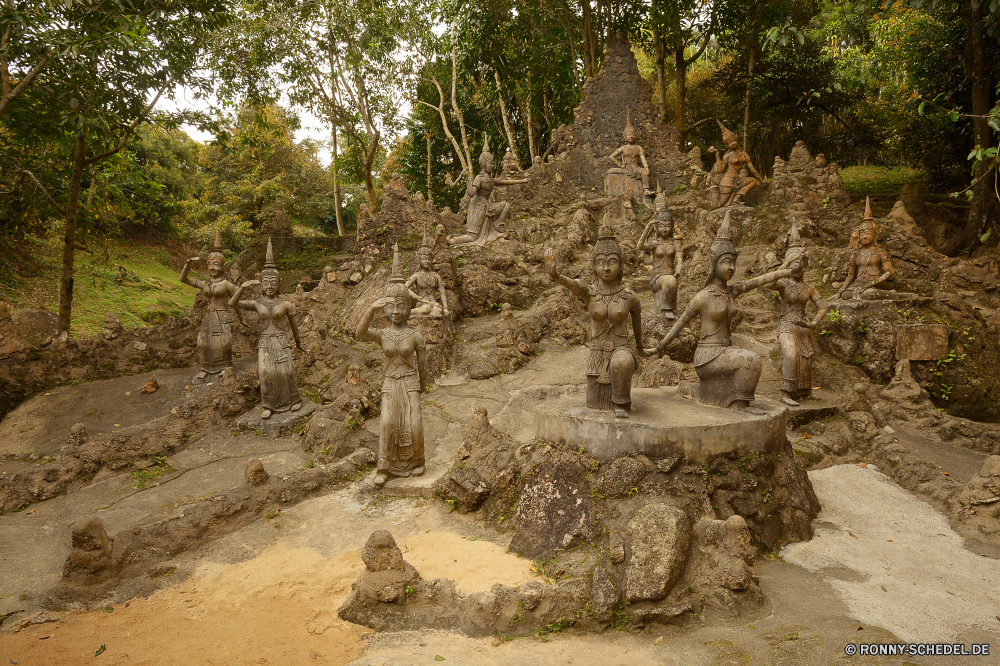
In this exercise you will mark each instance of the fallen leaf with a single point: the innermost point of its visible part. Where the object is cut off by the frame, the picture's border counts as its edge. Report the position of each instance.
(28, 513)
(658, 640)
(863, 466)
(100, 650)
(108, 609)
(861, 628)
(945, 473)
(883, 588)
(889, 540)
(853, 535)
(475, 538)
(149, 387)
(438, 657)
(560, 573)
(117, 425)
(532, 568)
(42, 638)
(313, 655)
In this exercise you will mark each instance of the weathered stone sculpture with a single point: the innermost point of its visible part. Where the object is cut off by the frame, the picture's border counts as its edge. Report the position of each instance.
(728, 375)
(667, 260)
(632, 171)
(215, 345)
(279, 389)
(870, 264)
(427, 285)
(794, 330)
(732, 184)
(486, 218)
(401, 432)
(610, 364)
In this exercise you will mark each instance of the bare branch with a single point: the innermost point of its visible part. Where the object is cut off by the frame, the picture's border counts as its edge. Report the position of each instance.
(22, 84)
(45, 191)
(128, 133)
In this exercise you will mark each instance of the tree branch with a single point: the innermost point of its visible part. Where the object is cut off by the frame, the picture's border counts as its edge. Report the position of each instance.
(44, 191)
(128, 133)
(22, 84)
(701, 122)
(701, 49)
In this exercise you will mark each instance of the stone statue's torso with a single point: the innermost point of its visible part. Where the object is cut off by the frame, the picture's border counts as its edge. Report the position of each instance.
(426, 285)
(609, 314)
(218, 292)
(795, 295)
(400, 348)
(734, 162)
(717, 312)
(869, 262)
(663, 258)
(484, 187)
(272, 316)
(630, 154)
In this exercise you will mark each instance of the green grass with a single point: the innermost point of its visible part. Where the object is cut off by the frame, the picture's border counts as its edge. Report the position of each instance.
(875, 181)
(134, 281)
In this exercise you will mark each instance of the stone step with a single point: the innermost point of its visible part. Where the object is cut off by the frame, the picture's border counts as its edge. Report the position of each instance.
(414, 486)
(819, 406)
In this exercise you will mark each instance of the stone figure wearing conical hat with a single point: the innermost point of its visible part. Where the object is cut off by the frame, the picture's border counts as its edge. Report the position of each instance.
(401, 430)
(485, 219)
(427, 285)
(731, 184)
(633, 164)
(215, 346)
(870, 264)
(728, 375)
(662, 239)
(794, 328)
(279, 389)
(611, 305)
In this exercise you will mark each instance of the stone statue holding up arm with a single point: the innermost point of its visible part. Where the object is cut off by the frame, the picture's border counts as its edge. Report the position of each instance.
(870, 264)
(667, 260)
(215, 342)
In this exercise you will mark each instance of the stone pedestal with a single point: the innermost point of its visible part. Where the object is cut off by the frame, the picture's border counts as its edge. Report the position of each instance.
(662, 424)
(616, 180)
(277, 422)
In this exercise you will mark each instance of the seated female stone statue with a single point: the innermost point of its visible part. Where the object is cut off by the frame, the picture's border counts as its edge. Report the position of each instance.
(667, 261)
(610, 364)
(485, 220)
(401, 430)
(728, 376)
(427, 285)
(870, 264)
(733, 184)
(279, 389)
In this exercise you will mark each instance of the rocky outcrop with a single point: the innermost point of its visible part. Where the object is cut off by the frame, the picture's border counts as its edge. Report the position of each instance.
(90, 560)
(659, 536)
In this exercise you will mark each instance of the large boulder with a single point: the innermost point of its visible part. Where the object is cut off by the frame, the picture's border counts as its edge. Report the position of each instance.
(658, 540)
(554, 511)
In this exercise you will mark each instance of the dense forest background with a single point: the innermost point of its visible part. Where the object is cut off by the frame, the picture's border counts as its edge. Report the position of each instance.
(89, 153)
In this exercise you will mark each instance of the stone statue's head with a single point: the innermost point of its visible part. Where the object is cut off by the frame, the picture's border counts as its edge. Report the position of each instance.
(629, 130)
(398, 309)
(728, 137)
(722, 248)
(868, 229)
(796, 257)
(664, 223)
(426, 254)
(270, 281)
(216, 262)
(486, 157)
(608, 255)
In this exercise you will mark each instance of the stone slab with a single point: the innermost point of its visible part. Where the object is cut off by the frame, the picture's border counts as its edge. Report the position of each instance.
(662, 424)
(414, 486)
(921, 342)
(820, 405)
(277, 423)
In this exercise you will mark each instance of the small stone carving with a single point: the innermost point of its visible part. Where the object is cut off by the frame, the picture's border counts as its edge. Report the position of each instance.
(794, 330)
(665, 248)
(610, 364)
(279, 389)
(728, 375)
(254, 472)
(730, 181)
(485, 220)
(90, 559)
(401, 432)
(870, 264)
(633, 170)
(427, 285)
(215, 346)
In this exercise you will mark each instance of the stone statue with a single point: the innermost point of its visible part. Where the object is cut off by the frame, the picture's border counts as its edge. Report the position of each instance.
(667, 260)
(215, 343)
(279, 389)
(870, 264)
(401, 431)
(486, 218)
(733, 184)
(610, 364)
(728, 375)
(633, 170)
(427, 285)
(794, 330)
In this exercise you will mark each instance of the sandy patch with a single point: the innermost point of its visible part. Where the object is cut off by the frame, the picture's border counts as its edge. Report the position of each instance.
(912, 575)
(473, 565)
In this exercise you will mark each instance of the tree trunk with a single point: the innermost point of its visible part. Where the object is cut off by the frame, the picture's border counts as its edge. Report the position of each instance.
(984, 201)
(506, 121)
(336, 187)
(661, 78)
(589, 42)
(69, 239)
(680, 83)
(430, 197)
(750, 71)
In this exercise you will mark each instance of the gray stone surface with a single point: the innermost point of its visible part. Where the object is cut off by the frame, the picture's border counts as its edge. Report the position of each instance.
(277, 423)
(659, 538)
(254, 472)
(603, 594)
(661, 425)
(554, 511)
(921, 342)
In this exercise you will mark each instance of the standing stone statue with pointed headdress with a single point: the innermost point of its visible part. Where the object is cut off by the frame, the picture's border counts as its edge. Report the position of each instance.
(794, 329)
(279, 389)
(215, 345)
(610, 363)
(427, 285)
(633, 166)
(733, 183)
(401, 431)
(870, 264)
(486, 218)
(665, 246)
(728, 376)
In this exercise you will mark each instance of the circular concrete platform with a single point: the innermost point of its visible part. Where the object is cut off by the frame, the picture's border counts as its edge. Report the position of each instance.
(661, 424)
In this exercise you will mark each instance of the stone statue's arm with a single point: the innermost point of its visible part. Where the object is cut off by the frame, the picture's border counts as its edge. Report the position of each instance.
(642, 156)
(719, 165)
(416, 297)
(234, 300)
(678, 326)
(820, 308)
(578, 288)
(612, 156)
(753, 170)
(198, 284)
(644, 235)
(364, 331)
(678, 258)
(421, 361)
(759, 281)
(294, 325)
(887, 270)
(444, 296)
(510, 181)
(852, 273)
(635, 310)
